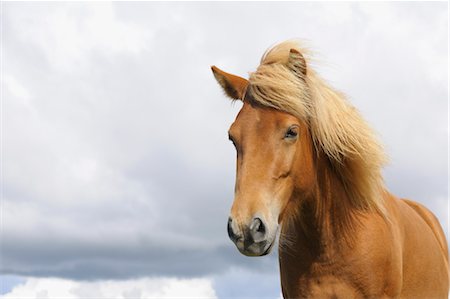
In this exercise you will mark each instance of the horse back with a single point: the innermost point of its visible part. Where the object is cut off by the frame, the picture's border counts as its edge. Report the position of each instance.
(432, 222)
(424, 250)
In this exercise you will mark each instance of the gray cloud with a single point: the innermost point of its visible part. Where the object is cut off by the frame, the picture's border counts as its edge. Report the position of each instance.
(116, 161)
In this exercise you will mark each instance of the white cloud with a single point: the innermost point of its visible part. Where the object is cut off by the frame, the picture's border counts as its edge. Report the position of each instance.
(15, 88)
(43, 288)
(71, 32)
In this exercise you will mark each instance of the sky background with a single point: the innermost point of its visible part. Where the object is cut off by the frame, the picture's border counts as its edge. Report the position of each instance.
(117, 173)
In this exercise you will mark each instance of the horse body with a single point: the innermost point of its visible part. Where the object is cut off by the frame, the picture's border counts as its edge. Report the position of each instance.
(400, 258)
(308, 163)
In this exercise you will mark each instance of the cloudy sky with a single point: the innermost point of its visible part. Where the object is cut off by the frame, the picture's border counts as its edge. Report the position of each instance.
(117, 172)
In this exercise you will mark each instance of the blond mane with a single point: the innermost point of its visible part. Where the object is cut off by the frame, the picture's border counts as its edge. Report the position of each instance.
(337, 128)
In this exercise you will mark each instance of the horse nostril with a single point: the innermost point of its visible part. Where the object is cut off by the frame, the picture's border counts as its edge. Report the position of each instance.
(231, 233)
(258, 230)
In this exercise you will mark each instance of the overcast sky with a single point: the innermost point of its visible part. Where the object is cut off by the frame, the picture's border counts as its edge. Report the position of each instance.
(117, 171)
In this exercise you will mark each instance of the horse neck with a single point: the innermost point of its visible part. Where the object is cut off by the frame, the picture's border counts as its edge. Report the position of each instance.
(325, 216)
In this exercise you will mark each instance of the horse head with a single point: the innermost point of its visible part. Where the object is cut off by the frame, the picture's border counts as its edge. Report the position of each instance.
(274, 161)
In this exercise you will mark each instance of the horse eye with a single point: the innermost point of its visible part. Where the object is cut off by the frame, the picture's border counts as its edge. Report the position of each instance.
(291, 133)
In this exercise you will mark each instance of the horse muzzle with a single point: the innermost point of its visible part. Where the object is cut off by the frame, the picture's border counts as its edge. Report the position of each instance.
(253, 239)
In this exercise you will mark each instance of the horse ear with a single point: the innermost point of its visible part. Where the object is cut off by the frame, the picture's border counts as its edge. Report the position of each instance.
(233, 86)
(297, 63)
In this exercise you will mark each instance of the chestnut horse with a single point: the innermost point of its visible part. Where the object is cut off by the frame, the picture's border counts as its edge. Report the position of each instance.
(308, 163)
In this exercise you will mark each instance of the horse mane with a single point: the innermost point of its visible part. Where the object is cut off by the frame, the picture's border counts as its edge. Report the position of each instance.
(336, 127)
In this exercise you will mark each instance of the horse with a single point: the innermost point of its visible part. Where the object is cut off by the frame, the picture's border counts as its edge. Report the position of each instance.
(309, 171)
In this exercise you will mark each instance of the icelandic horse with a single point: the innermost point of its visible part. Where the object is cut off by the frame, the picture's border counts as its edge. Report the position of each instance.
(310, 166)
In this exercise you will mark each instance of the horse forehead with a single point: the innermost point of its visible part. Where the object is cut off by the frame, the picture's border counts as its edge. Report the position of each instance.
(253, 116)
